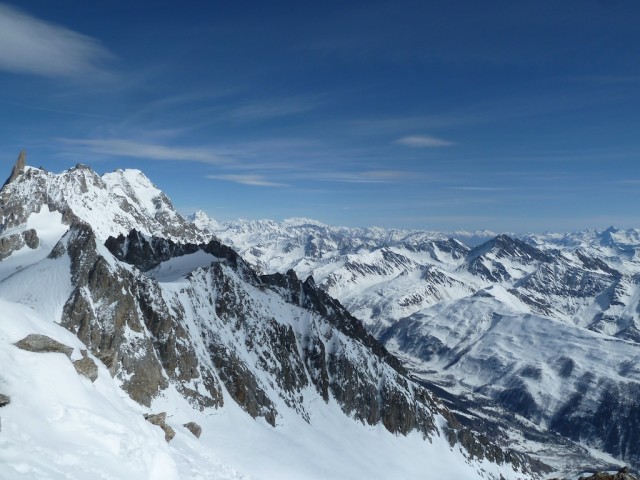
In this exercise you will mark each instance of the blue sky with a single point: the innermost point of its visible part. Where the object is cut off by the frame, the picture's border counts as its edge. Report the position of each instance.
(438, 115)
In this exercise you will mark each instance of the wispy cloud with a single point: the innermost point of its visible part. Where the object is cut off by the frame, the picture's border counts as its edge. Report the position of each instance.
(274, 108)
(507, 108)
(373, 176)
(129, 148)
(631, 181)
(246, 179)
(481, 189)
(58, 110)
(37, 47)
(199, 107)
(423, 141)
(291, 176)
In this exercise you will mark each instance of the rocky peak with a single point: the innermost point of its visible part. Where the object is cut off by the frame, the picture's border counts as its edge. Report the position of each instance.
(504, 246)
(203, 221)
(113, 203)
(608, 237)
(18, 167)
(596, 264)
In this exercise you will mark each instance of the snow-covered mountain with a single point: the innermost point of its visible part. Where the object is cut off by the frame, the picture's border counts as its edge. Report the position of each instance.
(113, 306)
(113, 203)
(532, 337)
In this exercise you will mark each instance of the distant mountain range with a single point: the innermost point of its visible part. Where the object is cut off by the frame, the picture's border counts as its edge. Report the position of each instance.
(533, 338)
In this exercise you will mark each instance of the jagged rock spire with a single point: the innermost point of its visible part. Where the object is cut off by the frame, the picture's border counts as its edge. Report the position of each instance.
(17, 168)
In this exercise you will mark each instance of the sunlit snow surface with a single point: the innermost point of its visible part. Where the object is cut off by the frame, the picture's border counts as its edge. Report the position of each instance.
(50, 229)
(22, 275)
(59, 425)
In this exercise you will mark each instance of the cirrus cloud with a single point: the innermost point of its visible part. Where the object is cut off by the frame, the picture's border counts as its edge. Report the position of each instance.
(150, 151)
(247, 179)
(423, 141)
(38, 47)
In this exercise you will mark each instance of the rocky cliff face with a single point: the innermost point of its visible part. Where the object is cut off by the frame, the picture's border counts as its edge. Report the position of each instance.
(120, 315)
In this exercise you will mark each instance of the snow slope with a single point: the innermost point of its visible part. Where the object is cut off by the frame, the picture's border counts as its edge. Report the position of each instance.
(59, 425)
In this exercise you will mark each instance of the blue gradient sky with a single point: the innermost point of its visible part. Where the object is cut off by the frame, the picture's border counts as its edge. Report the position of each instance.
(439, 115)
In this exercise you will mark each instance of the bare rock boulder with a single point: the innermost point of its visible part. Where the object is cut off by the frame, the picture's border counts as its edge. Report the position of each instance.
(623, 474)
(87, 367)
(159, 419)
(194, 428)
(30, 238)
(10, 244)
(43, 344)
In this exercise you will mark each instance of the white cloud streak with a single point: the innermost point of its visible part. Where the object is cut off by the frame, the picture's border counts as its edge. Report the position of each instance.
(482, 189)
(627, 182)
(128, 148)
(246, 179)
(374, 176)
(293, 176)
(58, 110)
(33, 46)
(423, 141)
(274, 109)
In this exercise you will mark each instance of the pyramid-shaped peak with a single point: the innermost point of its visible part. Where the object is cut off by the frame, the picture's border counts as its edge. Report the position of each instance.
(18, 167)
(503, 246)
(81, 166)
(203, 221)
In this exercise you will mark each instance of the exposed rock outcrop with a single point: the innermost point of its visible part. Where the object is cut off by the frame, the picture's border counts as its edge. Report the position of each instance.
(30, 238)
(11, 243)
(137, 337)
(194, 428)
(622, 474)
(43, 344)
(18, 167)
(6, 400)
(160, 419)
(87, 367)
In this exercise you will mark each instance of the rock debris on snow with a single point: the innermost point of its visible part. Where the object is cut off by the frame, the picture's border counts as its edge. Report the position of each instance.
(159, 419)
(194, 428)
(43, 344)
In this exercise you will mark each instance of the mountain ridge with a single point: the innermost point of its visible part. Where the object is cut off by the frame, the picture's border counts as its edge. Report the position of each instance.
(581, 285)
(216, 332)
